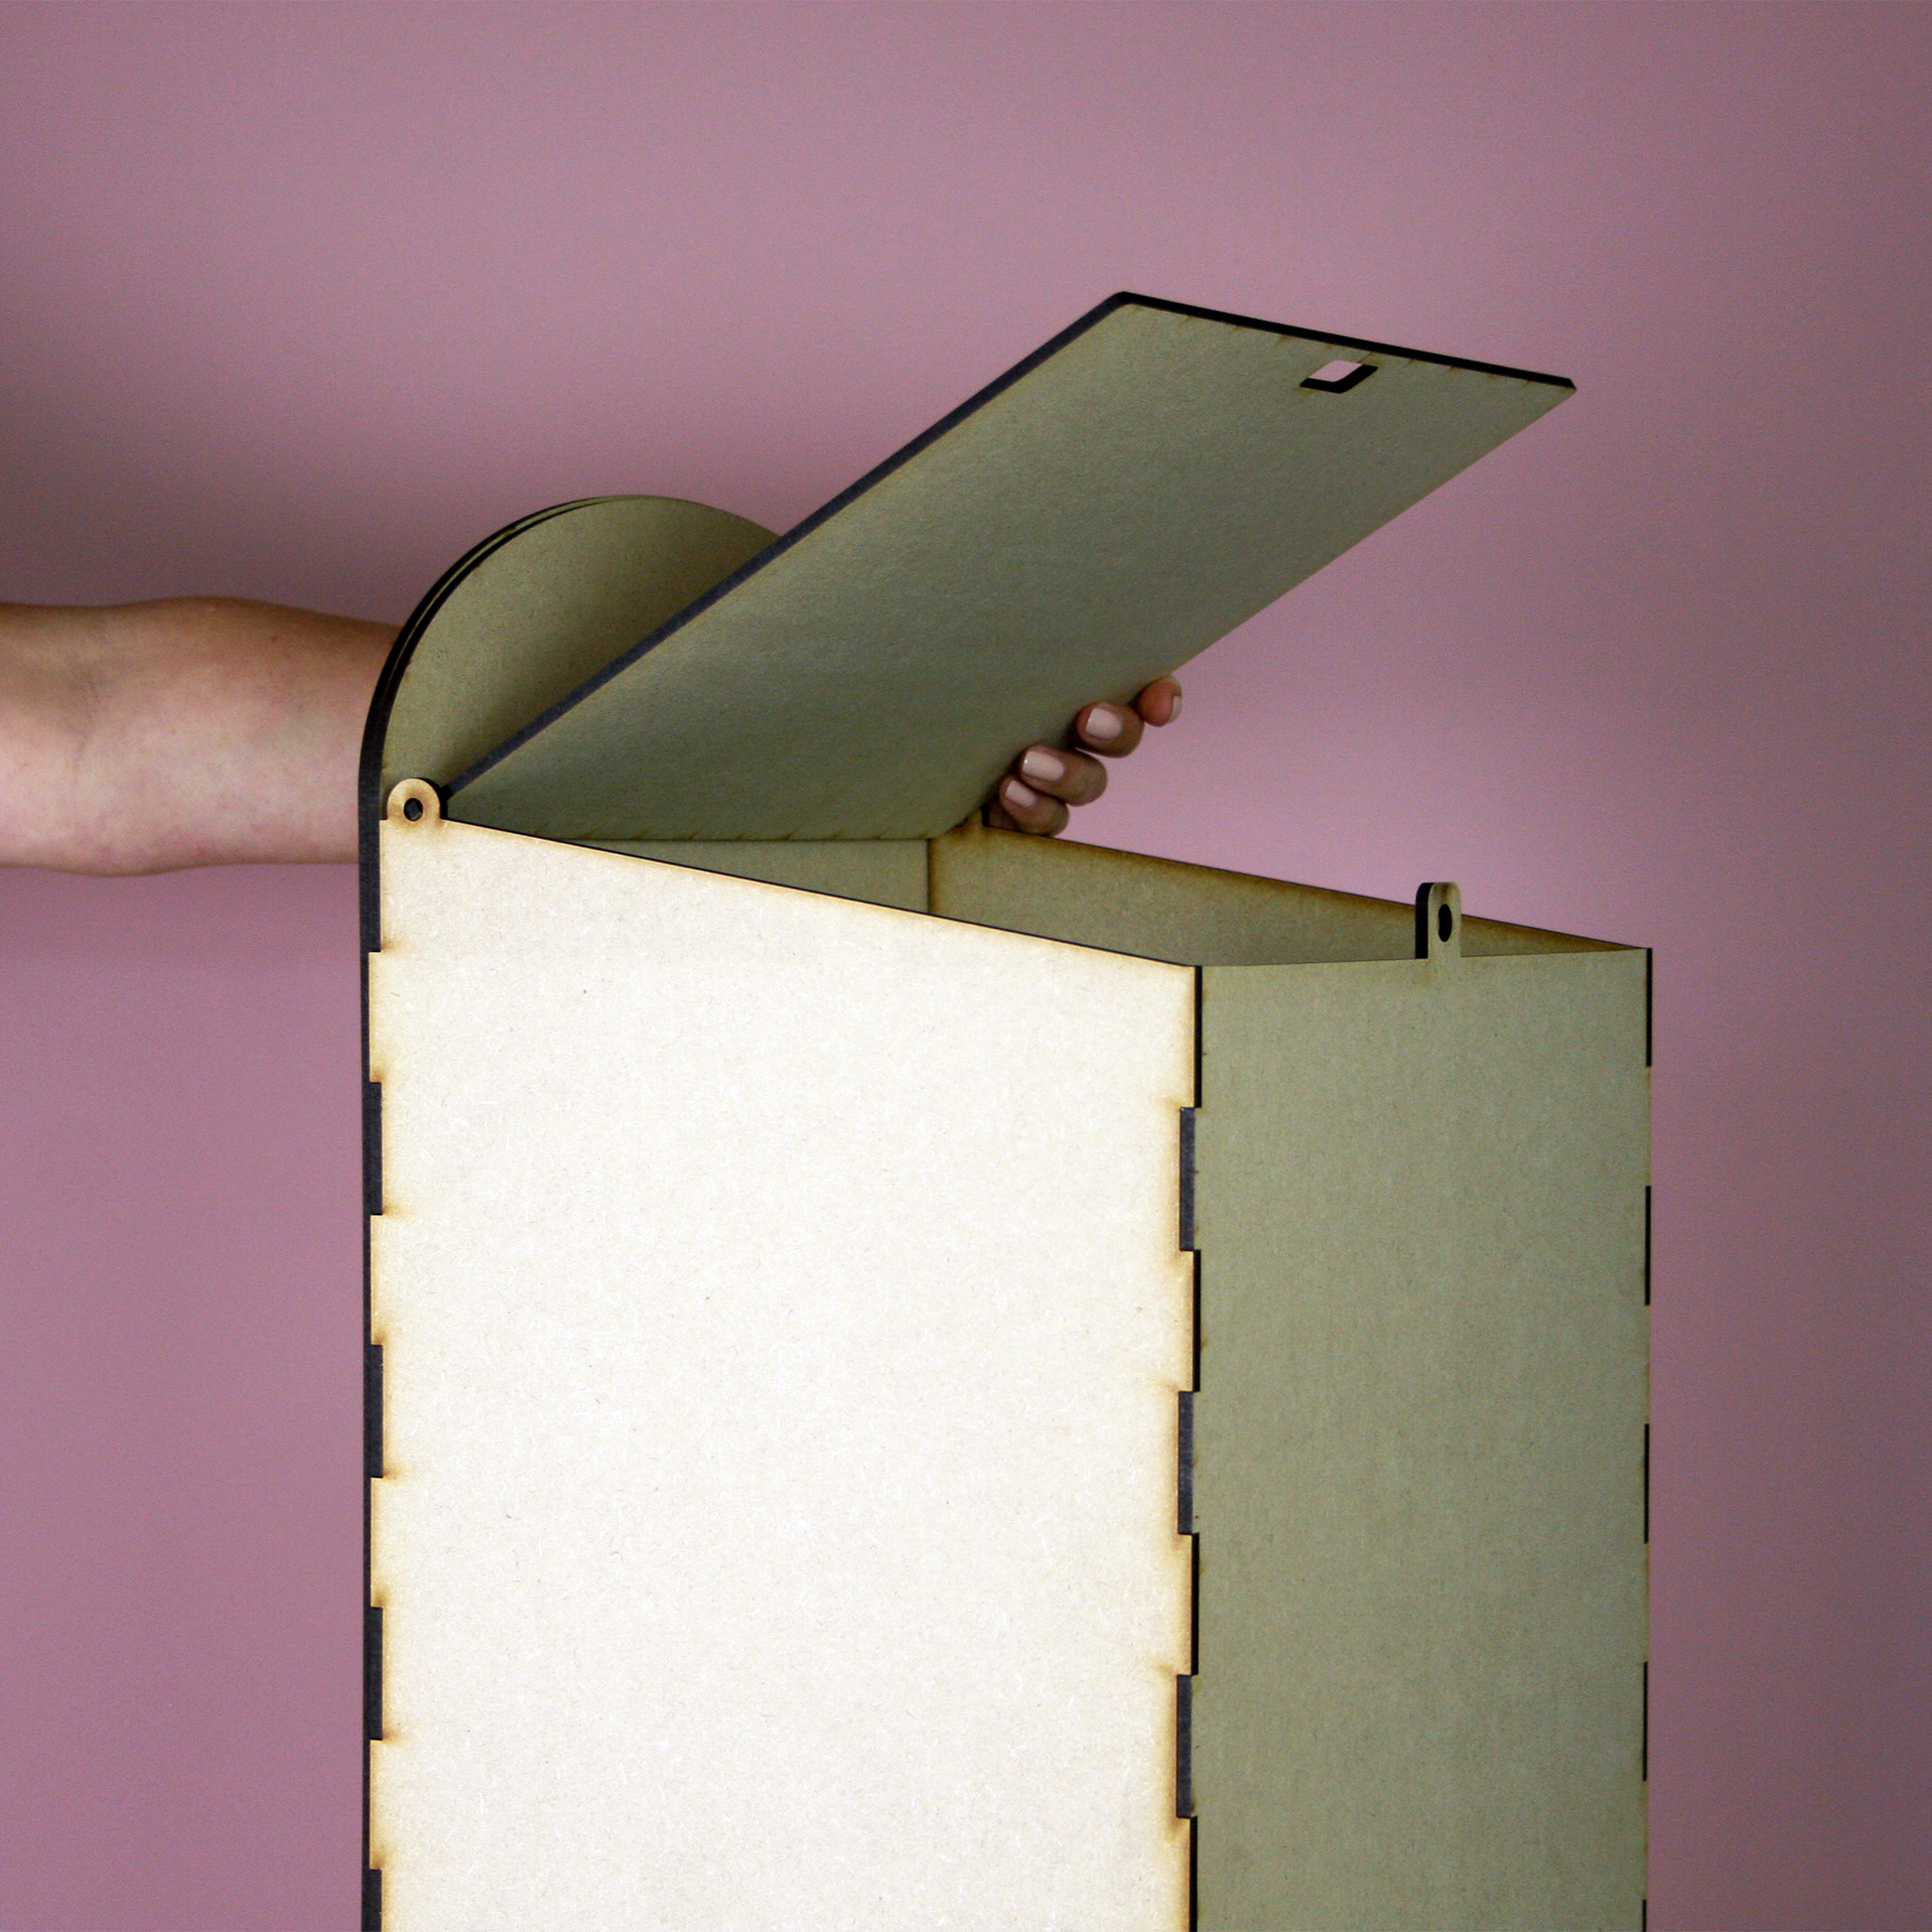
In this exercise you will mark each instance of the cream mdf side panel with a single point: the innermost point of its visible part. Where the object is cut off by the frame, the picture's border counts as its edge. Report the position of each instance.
(1419, 1445)
(779, 1519)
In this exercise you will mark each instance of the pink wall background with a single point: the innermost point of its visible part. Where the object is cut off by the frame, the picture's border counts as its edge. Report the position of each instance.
(300, 301)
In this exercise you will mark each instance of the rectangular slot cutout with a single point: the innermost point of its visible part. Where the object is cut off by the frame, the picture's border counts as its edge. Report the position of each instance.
(1339, 376)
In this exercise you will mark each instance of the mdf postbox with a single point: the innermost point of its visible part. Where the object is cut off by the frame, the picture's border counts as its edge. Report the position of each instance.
(927, 1378)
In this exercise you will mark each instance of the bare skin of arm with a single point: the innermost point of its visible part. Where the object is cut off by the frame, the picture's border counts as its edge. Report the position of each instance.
(140, 738)
(191, 732)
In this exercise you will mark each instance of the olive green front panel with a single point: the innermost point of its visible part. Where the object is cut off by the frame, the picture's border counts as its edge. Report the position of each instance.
(1420, 1439)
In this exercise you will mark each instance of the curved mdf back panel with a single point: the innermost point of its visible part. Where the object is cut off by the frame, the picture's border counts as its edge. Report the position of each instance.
(530, 614)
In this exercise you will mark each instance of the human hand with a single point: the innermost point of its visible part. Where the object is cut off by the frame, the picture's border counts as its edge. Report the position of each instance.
(1044, 780)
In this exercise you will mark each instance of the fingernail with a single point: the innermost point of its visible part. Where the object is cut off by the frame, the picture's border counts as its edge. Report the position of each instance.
(1043, 767)
(1103, 723)
(1173, 707)
(1023, 797)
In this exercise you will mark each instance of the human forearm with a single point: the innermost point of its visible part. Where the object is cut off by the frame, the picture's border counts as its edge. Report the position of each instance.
(194, 731)
(210, 731)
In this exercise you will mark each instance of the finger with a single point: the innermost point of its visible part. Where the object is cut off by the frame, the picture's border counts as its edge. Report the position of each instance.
(1070, 776)
(1159, 702)
(1110, 728)
(1030, 810)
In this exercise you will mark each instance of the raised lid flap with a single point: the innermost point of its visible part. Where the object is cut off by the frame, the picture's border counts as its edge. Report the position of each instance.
(1105, 511)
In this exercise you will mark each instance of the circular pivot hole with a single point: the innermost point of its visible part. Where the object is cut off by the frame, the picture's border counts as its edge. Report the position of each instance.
(414, 802)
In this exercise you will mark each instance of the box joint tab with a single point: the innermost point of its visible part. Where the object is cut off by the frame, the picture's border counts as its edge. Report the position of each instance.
(372, 1673)
(1183, 1742)
(371, 1147)
(1184, 1507)
(371, 1410)
(1188, 1242)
